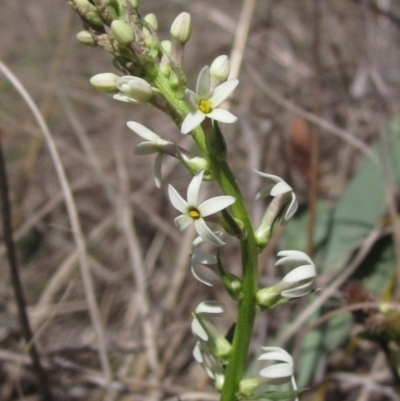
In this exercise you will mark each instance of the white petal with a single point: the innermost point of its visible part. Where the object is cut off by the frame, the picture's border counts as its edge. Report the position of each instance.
(224, 116)
(206, 233)
(214, 205)
(291, 256)
(299, 291)
(145, 148)
(210, 308)
(183, 222)
(300, 273)
(157, 169)
(281, 188)
(202, 257)
(142, 131)
(193, 189)
(198, 277)
(191, 121)
(198, 356)
(292, 208)
(277, 374)
(222, 92)
(265, 191)
(177, 201)
(191, 100)
(271, 176)
(275, 354)
(203, 84)
(198, 331)
(123, 98)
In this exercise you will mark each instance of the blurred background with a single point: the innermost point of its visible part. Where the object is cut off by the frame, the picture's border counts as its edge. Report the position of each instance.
(317, 104)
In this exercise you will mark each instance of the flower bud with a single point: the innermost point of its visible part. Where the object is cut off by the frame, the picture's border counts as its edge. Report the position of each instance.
(181, 28)
(87, 11)
(106, 82)
(122, 32)
(85, 38)
(135, 88)
(247, 387)
(219, 69)
(166, 46)
(151, 19)
(268, 297)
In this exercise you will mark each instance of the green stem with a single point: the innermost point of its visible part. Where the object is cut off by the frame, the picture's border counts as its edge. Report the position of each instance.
(247, 304)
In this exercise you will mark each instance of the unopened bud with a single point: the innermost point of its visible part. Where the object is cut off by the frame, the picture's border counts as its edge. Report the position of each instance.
(219, 69)
(181, 28)
(105, 82)
(247, 387)
(166, 46)
(151, 19)
(85, 38)
(267, 297)
(88, 11)
(122, 32)
(135, 88)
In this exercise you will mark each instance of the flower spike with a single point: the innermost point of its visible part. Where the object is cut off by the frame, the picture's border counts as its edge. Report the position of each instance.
(279, 189)
(194, 213)
(204, 103)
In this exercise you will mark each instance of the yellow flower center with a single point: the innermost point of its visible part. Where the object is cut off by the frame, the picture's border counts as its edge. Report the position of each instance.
(194, 214)
(205, 106)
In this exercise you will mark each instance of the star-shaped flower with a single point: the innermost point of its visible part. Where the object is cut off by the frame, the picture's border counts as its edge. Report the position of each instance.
(153, 144)
(278, 373)
(194, 213)
(280, 188)
(204, 102)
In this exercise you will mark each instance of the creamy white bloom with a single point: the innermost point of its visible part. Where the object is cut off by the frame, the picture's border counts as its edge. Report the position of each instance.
(153, 144)
(204, 103)
(281, 372)
(133, 90)
(277, 373)
(303, 274)
(210, 364)
(193, 212)
(200, 257)
(280, 188)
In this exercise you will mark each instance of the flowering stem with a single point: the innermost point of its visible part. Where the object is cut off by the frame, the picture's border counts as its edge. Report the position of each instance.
(247, 304)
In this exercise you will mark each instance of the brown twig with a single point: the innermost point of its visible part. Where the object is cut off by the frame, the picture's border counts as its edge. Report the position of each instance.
(16, 281)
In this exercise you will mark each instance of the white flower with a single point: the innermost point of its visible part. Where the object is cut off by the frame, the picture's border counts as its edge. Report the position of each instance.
(304, 274)
(133, 90)
(203, 258)
(153, 144)
(210, 364)
(280, 188)
(278, 373)
(204, 309)
(204, 102)
(192, 212)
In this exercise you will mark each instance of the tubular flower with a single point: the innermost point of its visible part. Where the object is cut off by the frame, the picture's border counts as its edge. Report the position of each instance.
(194, 213)
(278, 373)
(300, 281)
(153, 144)
(204, 102)
(279, 189)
